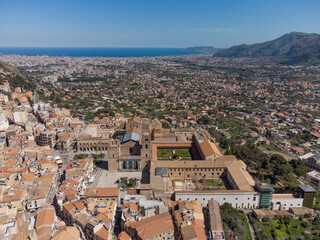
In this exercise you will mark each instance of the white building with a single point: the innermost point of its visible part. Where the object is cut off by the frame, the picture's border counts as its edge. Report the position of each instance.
(20, 116)
(3, 98)
(313, 162)
(314, 178)
(4, 124)
(286, 201)
(237, 198)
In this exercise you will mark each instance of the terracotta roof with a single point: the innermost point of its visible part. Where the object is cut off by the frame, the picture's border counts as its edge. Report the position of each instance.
(68, 233)
(45, 217)
(28, 177)
(134, 119)
(44, 231)
(283, 196)
(242, 178)
(108, 192)
(12, 197)
(69, 207)
(188, 233)
(102, 233)
(133, 129)
(154, 225)
(124, 236)
(219, 162)
(133, 206)
(296, 149)
(209, 148)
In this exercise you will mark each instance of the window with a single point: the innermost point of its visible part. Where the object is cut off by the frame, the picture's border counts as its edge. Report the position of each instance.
(254, 198)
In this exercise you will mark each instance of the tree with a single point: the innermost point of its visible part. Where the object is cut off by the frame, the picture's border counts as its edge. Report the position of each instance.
(269, 134)
(231, 217)
(30, 101)
(290, 181)
(280, 165)
(299, 168)
(165, 125)
(204, 120)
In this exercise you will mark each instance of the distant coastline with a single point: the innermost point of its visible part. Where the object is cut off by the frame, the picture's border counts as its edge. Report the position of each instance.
(95, 52)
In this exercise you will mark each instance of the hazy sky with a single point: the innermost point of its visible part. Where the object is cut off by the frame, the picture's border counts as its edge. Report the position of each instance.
(152, 23)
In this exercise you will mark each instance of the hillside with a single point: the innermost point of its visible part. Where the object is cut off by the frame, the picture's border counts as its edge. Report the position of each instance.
(16, 79)
(291, 48)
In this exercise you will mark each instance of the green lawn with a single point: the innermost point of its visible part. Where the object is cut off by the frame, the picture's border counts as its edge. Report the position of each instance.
(164, 153)
(130, 184)
(99, 156)
(183, 153)
(81, 156)
(210, 183)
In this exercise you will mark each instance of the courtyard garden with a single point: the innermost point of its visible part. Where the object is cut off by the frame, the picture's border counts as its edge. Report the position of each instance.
(128, 183)
(81, 156)
(209, 184)
(174, 154)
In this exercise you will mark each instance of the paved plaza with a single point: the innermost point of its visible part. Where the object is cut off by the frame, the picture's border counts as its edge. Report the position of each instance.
(105, 179)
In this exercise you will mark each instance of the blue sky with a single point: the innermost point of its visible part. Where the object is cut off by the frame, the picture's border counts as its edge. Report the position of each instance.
(152, 23)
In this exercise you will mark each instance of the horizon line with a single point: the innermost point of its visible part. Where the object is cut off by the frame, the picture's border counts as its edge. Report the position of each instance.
(97, 47)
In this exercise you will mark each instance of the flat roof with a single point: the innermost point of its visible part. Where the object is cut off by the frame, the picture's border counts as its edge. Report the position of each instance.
(307, 188)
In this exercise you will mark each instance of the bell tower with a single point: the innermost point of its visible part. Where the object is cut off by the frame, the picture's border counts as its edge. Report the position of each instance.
(113, 155)
(146, 150)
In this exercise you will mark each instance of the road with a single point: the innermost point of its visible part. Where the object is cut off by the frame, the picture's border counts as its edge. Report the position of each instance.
(65, 157)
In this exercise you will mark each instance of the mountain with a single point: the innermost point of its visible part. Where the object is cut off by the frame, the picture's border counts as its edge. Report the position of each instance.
(291, 48)
(16, 79)
(205, 49)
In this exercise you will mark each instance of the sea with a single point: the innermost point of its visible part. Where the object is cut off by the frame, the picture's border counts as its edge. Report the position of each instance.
(95, 52)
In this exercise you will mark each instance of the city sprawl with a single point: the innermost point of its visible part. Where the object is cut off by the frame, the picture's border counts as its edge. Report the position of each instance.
(176, 147)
